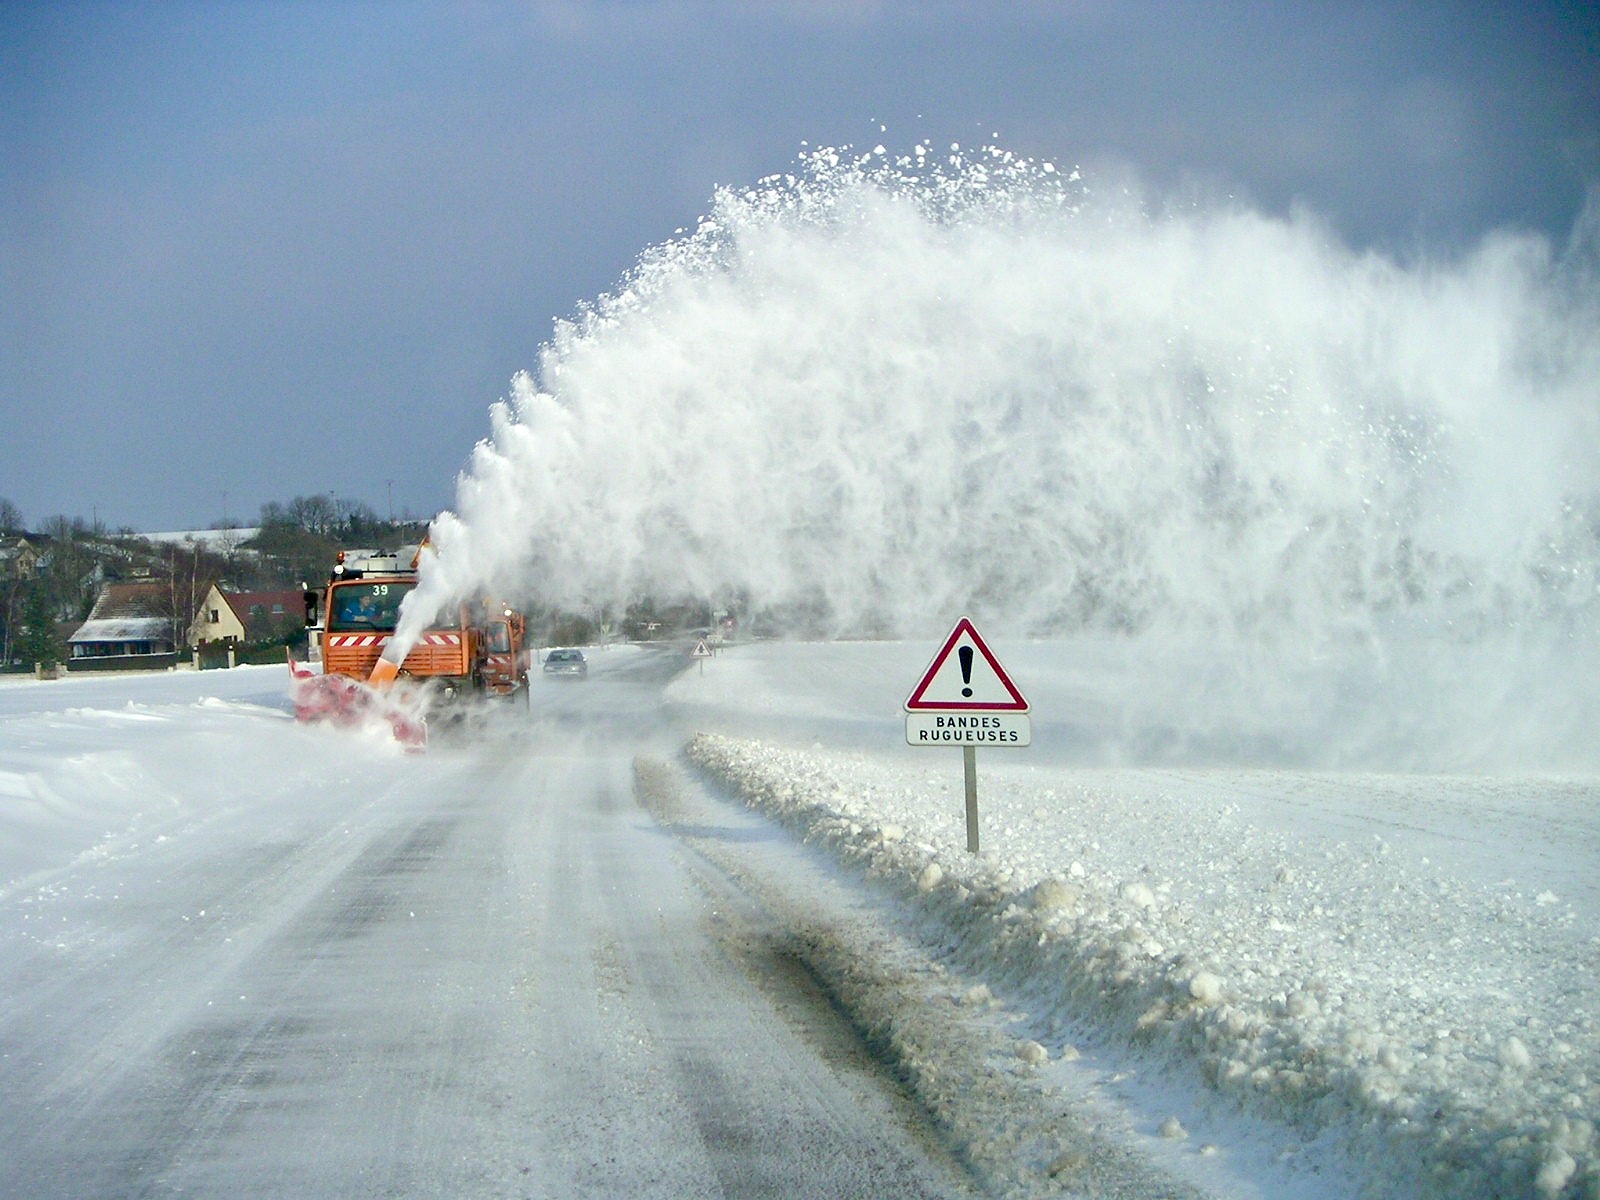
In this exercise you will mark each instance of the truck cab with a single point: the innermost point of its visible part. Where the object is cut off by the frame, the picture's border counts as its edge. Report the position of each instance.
(469, 647)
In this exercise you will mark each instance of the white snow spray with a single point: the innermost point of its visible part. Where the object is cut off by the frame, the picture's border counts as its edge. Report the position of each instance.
(884, 390)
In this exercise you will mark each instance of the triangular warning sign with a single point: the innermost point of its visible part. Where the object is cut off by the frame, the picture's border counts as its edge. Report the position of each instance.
(965, 676)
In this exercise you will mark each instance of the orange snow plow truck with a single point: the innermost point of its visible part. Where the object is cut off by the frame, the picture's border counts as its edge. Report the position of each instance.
(474, 649)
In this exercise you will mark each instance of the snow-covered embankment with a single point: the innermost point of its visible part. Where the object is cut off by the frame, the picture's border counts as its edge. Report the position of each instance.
(1441, 1029)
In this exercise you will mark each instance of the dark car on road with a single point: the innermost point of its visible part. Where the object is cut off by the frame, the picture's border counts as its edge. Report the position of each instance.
(566, 662)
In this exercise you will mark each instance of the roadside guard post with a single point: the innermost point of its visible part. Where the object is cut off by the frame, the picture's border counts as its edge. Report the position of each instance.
(965, 698)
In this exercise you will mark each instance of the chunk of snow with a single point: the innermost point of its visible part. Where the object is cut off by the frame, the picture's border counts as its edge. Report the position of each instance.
(1514, 1054)
(1302, 1004)
(1139, 894)
(1052, 894)
(1206, 988)
(1557, 1171)
(1032, 1053)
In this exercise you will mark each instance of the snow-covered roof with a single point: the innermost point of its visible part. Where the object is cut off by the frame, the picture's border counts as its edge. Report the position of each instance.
(124, 600)
(124, 629)
(18, 548)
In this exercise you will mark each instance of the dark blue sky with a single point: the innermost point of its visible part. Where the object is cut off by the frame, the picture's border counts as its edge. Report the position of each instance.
(255, 250)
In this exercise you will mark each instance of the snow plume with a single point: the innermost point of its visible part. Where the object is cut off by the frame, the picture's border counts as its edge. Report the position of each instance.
(884, 390)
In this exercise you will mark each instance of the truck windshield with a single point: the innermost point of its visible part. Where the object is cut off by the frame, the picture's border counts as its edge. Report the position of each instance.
(359, 605)
(499, 638)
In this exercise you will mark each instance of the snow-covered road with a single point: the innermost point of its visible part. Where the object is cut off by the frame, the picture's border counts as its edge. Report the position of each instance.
(315, 968)
(556, 957)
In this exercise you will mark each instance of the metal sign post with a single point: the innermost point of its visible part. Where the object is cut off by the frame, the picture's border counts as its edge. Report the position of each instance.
(969, 756)
(965, 698)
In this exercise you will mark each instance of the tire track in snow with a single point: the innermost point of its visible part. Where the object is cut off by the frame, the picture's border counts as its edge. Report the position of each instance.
(1018, 1138)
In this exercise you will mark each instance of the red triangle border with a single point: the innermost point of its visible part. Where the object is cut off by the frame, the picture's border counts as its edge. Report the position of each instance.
(915, 702)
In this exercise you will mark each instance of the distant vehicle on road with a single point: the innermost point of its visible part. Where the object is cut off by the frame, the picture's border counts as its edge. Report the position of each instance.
(566, 662)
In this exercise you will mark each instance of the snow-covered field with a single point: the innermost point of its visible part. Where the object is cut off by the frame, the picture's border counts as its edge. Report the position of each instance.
(1390, 977)
(80, 775)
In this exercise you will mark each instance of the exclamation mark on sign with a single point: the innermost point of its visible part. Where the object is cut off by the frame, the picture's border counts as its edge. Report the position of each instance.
(966, 669)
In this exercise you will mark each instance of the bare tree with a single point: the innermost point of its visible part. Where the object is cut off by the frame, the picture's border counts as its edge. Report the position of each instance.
(190, 571)
(315, 514)
(69, 577)
(11, 594)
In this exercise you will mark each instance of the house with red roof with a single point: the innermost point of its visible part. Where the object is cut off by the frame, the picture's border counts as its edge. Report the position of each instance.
(247, 616)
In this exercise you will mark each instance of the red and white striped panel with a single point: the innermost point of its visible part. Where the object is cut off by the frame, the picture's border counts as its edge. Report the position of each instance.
(356, 640)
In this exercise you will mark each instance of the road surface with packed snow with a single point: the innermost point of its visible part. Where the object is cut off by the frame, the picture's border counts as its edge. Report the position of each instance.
(284, 961)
